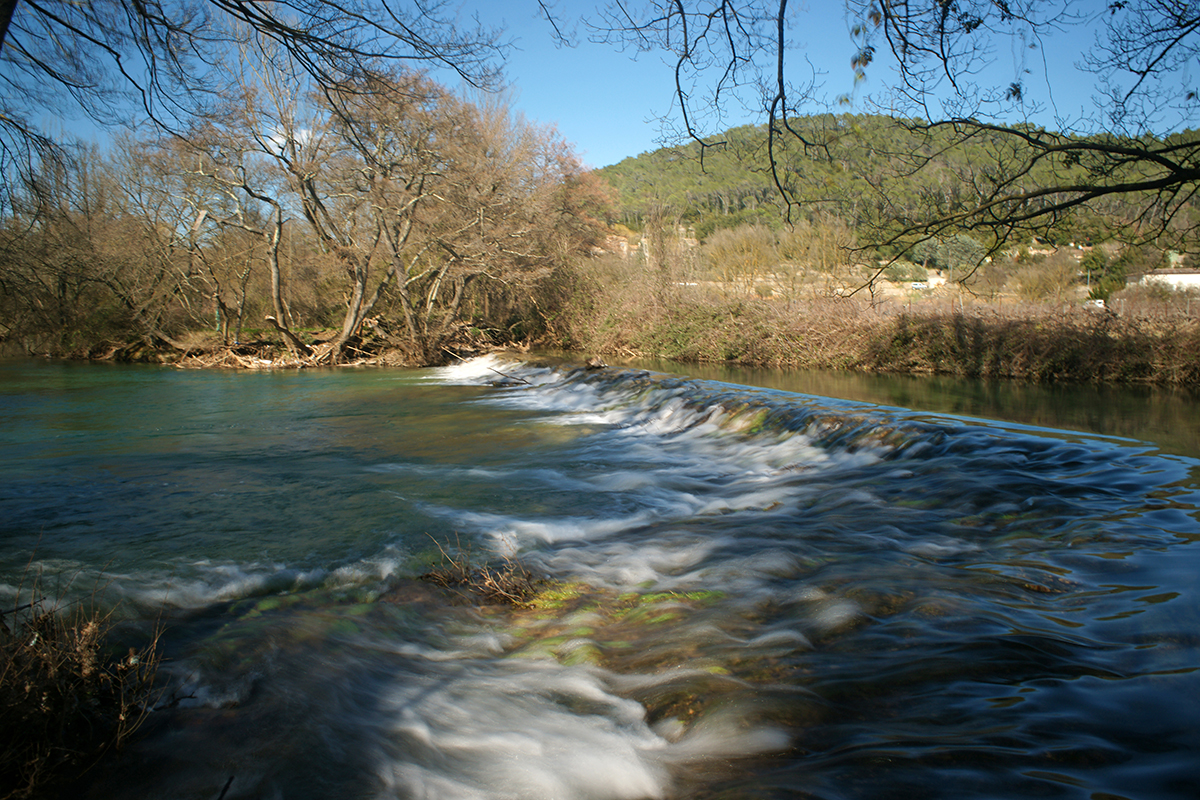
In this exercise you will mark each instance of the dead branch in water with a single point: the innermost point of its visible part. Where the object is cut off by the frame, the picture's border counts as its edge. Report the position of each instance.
(510, 377)
(510, 583)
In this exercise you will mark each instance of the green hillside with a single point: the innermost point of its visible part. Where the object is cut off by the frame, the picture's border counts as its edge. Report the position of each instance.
(875, 173)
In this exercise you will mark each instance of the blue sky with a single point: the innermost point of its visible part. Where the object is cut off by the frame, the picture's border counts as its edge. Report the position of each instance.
(606, 103)
(603, 100)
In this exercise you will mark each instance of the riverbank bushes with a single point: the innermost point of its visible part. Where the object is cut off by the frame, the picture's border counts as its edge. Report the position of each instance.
(684, 321)
(67, 698)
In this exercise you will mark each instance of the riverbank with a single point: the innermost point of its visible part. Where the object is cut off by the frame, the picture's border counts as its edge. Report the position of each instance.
(1032, 343)
(266, 350)
(1126, 344)
(69, 698)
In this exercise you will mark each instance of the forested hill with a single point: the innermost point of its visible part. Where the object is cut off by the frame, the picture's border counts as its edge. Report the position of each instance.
(866, 170)
(729, 187)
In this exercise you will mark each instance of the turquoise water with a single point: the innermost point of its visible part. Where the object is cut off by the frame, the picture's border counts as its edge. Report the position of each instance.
(787, 594)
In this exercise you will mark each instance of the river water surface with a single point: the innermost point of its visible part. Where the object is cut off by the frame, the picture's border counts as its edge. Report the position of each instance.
(750, 592)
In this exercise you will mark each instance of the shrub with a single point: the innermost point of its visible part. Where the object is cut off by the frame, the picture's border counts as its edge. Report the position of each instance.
(905, 271)
(65, 699)
(1050, 278)
(507, 583)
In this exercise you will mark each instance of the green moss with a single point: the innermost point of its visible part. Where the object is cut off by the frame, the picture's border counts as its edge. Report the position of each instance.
(702, 597)
(585, 653)
(752, 422)
(252, 607)
(534, 654)
(554, 596)
(357, 609)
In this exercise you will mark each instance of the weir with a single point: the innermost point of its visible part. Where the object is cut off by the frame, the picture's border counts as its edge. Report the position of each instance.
(739, 591)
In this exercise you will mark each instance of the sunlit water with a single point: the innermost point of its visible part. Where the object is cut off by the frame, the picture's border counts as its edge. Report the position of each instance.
(772, 594)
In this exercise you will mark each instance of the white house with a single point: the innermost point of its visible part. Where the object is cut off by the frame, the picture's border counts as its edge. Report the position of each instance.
(1177, 278)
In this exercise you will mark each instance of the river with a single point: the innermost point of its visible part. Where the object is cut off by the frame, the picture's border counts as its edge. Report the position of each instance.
(757, 585)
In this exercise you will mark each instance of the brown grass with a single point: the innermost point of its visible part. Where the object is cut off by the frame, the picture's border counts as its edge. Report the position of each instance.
(66, 699)
(947, 335)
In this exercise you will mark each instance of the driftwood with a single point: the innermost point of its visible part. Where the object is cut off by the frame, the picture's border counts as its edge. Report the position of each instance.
(293, 341)
(510, 377)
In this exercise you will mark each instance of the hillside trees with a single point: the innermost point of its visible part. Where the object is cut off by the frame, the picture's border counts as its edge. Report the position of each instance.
(957, 252)
(949, 90)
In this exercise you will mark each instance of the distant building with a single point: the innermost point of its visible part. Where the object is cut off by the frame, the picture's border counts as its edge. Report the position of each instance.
(1177, 278)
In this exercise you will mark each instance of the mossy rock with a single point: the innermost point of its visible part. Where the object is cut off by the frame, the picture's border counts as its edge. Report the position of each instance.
(557, 596)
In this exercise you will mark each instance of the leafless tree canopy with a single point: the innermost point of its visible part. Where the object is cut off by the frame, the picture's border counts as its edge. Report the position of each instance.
(1133, 145)
(303, 167)
(158, 60)
(727, 56)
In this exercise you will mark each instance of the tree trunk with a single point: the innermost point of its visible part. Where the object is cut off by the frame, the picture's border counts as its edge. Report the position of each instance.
(279, 320)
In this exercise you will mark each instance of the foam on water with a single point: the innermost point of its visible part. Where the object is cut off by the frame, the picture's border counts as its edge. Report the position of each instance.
(526, 730)
(667, 563)
(448, 718)
(508, 531)
(736, 554)
(492, 369)
(661, 454)
(200, 584)
(541, 731)
(188, 586)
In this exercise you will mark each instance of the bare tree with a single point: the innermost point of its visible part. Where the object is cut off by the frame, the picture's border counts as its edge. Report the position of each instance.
(464, 196)
(742, 257)
(820, 253)
(393, 140)
(160, 60)
(417, 194)
(89, 256)
(241, 190)
(724, 53)
(1124, 149)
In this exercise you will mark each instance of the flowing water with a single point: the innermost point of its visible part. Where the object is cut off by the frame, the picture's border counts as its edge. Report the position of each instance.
(749, 592)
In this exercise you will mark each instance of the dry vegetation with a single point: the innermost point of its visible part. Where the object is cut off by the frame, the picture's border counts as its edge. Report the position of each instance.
(1143, 336)
(483, 582)
(66, 699)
